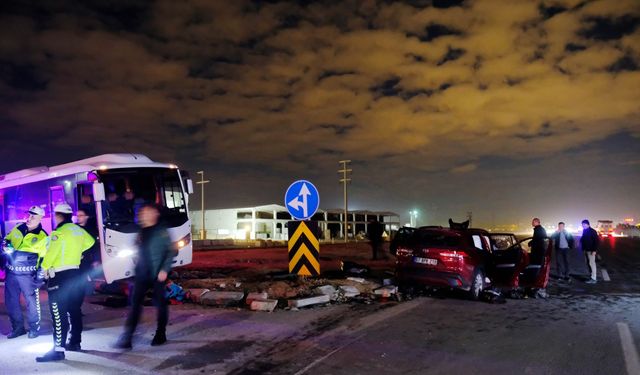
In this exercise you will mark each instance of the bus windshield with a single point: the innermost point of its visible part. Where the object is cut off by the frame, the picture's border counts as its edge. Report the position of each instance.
(129, 189)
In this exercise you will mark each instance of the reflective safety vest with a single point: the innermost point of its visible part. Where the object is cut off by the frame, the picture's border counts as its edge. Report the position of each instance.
(30, 242)
(66, 245)
(29, 247)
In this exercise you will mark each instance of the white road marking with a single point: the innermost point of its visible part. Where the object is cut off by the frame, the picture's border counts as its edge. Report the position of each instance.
(605, 275)
(366, 323)
(629, 349)
(314, 363)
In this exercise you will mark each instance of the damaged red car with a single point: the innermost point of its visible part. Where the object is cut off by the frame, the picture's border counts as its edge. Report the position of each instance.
(470, 260)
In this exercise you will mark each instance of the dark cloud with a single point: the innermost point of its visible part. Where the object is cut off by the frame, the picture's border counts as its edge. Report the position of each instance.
(601, 28)
(417, 93)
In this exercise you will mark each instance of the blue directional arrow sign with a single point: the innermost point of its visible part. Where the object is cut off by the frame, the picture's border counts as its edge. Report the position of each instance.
(302, 199)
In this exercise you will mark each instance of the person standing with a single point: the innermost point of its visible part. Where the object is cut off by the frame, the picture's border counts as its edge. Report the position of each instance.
(537, 256)
(562, 243)
(155, 256)
(537, 242)
(91, 258)
(25, 246)
(65, 285)
(375, 230)
(589, 243)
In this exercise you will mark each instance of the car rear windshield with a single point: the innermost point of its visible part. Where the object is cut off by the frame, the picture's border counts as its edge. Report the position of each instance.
(435, 239)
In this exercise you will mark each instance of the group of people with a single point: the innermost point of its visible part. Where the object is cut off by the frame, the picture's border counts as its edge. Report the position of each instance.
(563, 242)
(32, 257)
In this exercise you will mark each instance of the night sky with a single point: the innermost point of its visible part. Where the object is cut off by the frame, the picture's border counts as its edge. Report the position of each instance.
(508, 109)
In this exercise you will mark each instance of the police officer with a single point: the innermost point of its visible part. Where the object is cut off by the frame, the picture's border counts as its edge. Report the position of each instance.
(65, 283)
(24, 247)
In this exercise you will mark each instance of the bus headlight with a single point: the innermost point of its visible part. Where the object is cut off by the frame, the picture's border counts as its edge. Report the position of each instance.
(184, 241)
(125, 253)
(117, 252)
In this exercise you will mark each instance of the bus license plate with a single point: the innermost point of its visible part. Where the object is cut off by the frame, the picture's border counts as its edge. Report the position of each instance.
(427, 261)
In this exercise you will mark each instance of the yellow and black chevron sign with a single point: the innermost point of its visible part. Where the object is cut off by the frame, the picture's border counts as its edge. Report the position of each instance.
(304, 248)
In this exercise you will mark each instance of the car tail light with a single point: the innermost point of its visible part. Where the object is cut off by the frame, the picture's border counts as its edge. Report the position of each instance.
(402, 252)
(452, 258)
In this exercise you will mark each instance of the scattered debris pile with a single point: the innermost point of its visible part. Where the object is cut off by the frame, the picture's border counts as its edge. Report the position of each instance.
(354, 284)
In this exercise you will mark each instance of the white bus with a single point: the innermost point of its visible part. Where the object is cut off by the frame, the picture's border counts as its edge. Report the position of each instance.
(112, 187)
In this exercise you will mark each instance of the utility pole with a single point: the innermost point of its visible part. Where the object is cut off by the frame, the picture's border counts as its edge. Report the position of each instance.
(203, 232)
(345, 180)
(469, 217)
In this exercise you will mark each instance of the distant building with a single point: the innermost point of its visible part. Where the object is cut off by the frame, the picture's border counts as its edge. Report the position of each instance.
(270, 222)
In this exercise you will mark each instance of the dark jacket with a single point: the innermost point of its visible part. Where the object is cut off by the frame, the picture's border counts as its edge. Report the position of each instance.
(589, 240)
(155, 252)
(556, 239)
(538, 245)
(93, 254)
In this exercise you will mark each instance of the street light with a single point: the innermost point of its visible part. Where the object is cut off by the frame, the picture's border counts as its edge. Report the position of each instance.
(203, 232)
(414, 217)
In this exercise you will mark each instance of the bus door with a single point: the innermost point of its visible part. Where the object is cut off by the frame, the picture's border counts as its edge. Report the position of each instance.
(56, 196)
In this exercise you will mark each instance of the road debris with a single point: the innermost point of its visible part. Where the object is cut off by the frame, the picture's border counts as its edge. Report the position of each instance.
(264, 305)
(302, 302)
(221, 298)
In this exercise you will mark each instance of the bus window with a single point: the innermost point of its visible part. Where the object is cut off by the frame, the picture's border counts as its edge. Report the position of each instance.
(173, 195)
(18, 200)
(56, 197)
(129, 189)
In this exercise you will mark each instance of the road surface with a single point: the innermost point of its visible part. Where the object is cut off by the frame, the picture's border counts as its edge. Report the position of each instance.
(580, 329)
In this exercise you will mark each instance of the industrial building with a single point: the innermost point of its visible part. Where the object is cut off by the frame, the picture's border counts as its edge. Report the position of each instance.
(270, 222)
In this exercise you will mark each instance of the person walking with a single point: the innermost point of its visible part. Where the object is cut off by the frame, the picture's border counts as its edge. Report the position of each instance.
(155, 255)
(589, 243)
(24, 247)
(65, 285)
(562, 243)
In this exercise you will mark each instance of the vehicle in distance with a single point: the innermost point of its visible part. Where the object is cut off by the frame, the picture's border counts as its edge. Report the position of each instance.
(605, 228)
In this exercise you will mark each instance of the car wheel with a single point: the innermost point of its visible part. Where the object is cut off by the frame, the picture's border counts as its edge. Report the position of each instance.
(477, 285)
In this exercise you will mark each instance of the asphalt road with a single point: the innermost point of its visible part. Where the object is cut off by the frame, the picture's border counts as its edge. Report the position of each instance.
(580, 329)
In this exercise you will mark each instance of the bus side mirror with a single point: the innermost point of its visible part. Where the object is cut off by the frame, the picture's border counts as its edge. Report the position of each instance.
(189, 186)
(98, 192)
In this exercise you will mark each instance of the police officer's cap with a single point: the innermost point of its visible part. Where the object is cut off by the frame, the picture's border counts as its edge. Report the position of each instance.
(63, 208)
(36, 210)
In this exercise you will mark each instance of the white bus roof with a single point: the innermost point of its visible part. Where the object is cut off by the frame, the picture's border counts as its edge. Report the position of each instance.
(106, 161)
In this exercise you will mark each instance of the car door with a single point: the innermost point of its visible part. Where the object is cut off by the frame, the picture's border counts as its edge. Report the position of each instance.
(508, 258)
